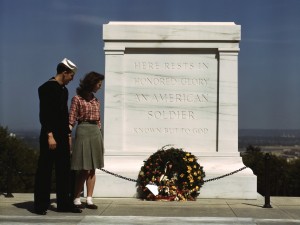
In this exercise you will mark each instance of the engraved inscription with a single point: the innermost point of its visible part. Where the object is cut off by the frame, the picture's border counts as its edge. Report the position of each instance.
(163, 115)
(167, 81)
(173, 98)
(143, 65)
(170, 131)
(187, 79)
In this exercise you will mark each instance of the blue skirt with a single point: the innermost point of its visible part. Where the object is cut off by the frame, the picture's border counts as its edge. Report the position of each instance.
(88, 150)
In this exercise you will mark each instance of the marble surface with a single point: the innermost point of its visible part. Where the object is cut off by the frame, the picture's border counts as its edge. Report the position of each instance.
(172, 83)
(170, 98)
(165, 31)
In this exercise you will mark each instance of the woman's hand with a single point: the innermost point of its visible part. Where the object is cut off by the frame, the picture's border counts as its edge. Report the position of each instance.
(70, 143)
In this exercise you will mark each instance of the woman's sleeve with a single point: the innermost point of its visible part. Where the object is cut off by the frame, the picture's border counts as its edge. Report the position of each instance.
(73, 111)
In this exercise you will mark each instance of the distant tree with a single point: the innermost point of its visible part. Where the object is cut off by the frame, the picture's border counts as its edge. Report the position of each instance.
(21, 159)
(278, 175)
(293, 180)
(284, 175)
(254, 159)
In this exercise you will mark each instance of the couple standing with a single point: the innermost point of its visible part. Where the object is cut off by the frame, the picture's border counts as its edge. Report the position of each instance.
(56, 139)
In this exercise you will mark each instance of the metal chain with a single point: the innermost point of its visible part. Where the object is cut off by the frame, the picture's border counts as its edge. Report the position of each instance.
(228, 174)
(117, 175)
(205, 181)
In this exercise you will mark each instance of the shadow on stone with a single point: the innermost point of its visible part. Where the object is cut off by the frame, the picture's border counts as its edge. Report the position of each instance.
(252, 205)
(29, 206)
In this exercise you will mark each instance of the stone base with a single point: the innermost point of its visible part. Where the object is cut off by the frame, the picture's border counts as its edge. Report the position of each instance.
(241, 185)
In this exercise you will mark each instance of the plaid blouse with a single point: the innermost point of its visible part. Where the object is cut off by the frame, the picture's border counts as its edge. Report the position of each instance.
(82, 110)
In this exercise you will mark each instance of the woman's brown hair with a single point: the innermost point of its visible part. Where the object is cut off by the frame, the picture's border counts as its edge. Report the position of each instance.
(88, 83)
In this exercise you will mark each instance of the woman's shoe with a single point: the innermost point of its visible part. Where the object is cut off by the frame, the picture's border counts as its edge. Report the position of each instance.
(92, 206)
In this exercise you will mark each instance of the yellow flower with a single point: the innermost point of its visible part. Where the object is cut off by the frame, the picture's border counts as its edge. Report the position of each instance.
(188, 154)
(195, 173)
(195, 166)
(182, 175)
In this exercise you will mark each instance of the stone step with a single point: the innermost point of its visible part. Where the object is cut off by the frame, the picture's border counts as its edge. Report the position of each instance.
(137, 220)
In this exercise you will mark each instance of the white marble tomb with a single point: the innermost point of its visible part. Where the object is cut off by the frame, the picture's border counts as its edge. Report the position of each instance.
(172, 83)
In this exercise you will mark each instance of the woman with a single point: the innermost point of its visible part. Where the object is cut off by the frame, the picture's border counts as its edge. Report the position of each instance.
(88, 147)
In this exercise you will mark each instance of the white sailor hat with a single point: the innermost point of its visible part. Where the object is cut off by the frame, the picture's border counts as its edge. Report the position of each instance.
(69, 64)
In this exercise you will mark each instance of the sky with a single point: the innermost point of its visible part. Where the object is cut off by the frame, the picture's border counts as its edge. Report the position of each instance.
(36, 35)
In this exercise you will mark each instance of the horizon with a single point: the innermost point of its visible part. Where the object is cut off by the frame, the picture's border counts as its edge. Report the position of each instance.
(240, 130)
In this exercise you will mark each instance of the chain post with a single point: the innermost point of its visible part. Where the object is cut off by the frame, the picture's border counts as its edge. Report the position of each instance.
(267, 181)
(9, 174)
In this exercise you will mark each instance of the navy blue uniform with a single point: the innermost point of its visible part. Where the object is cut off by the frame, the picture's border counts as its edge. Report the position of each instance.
(54, 117)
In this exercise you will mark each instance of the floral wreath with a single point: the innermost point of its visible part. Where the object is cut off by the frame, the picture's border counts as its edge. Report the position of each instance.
(171, 175)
